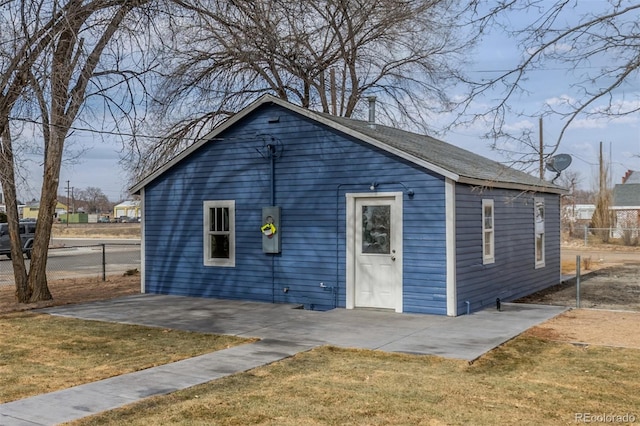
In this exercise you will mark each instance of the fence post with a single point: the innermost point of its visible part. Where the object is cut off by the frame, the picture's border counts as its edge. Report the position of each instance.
(578, 281)
(104, 263)
(586, 234)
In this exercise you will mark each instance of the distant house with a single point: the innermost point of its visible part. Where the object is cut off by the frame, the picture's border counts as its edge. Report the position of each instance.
(128, 208)
(283, 204)
(30, 210)
(579, 213)
(626, 206)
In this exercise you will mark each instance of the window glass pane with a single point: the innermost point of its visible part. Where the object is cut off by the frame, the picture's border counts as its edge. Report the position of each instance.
(225, 219)
(539, 247)
(376, 229)
(219, 246)
(488, 211)
(219, 219)
(487, 244)
(212, 219)
(539, 218)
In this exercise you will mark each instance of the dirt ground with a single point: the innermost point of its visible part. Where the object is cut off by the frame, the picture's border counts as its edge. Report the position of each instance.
(592, 327)
(609, 311)
(76, 290)
(615, 287)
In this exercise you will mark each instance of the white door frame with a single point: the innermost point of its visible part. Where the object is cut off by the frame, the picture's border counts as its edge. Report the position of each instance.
(396, 215)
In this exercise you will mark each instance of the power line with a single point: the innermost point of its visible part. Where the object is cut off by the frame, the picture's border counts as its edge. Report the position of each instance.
(102, 132)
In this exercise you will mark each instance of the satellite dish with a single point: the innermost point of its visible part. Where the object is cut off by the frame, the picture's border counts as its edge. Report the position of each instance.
(558, 163)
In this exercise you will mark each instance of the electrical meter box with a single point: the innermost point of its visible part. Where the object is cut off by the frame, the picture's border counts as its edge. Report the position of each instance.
(271, 231)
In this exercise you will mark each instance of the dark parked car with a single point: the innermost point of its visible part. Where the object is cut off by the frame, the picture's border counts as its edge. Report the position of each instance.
(27, 232)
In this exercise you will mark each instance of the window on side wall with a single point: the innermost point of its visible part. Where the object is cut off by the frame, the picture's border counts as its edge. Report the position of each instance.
(488, 243)
(219, 233)
(539, 231)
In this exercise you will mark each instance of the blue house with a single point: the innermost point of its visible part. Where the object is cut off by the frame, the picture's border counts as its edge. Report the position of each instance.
(286, 205)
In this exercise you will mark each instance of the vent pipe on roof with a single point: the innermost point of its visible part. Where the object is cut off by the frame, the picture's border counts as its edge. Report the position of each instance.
(372, 110)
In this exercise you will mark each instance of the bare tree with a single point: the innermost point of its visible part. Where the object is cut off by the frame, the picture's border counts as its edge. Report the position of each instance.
(569, 180)
(50, 67)
(599, 45)
(602, 219)
(323, 55)
(94, 199)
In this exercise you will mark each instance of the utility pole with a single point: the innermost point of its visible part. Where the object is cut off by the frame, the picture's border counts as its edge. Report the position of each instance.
(602, 179)
(68, 202)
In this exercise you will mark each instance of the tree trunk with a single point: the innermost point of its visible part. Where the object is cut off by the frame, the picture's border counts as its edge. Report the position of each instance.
(48, 200)
(7, 180)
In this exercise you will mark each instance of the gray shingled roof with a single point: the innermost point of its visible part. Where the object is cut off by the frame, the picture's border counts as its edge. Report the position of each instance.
(464, 163)
(627, 194)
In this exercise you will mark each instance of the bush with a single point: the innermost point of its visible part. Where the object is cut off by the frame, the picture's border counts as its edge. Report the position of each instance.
(629, 237)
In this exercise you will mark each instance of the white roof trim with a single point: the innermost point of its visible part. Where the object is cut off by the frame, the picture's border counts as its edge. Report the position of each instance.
(624, 208)
(512, 185)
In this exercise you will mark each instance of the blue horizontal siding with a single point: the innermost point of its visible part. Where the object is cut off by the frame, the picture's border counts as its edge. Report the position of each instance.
(513, 274)
(314, 169)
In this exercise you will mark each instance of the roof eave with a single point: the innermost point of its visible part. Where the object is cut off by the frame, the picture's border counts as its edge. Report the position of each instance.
(513, 185)
(622, 207)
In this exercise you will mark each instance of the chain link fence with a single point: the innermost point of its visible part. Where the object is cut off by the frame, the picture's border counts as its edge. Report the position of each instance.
(594, 236)
(96, 261)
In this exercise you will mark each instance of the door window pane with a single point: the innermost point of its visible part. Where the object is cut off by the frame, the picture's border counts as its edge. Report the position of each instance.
(376, 229)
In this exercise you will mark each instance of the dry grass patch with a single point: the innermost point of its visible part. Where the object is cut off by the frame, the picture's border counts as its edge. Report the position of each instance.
(72, 291)
(526, 381)
(41, 353)
(96, 230)
(568, 266)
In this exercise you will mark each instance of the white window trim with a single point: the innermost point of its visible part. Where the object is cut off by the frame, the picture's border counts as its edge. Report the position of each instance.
(207, 260)
(491, 258)
(539, 263)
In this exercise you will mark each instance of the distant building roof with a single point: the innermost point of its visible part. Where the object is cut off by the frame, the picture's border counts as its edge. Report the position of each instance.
(626, 195)
(129, 203)
(631, 177)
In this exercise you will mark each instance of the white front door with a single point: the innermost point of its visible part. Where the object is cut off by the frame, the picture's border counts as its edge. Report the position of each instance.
(375, 251)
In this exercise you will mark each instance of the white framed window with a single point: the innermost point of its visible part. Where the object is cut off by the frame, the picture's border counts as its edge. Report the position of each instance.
(539, 231)
(488, 241)
(219, 248)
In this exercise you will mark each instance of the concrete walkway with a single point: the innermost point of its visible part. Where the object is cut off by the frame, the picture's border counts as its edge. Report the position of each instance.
(283, 330)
